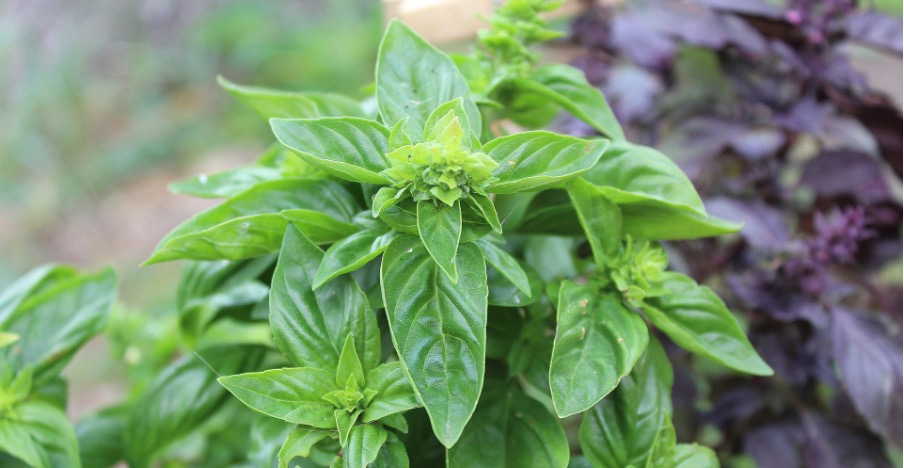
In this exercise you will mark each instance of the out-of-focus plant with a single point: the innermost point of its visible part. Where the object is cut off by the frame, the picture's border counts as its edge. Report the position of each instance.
(762, 106)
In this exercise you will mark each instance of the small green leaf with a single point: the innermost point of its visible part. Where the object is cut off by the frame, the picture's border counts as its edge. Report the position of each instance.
(414, 78)
(385, 198)
(538, 160)
(440, 230)
(40, 435)
(363, 446)
(694, 456)
(293, 394)
(510, 429)
(696, 319)
(299, 444)
(349, 365)
(394, 393)
(622, 429)
(250, 223)
(274, 103)
(397, 136)
(504, 263)
(349, 148)
(310, 326)
(600, 218)
(7, 339)
(438, 119)
(597, 343)
(567, 87)
(227, 183)
(345, 421)
(438, 329)
(663, 452)
(352, 253)
(30, 284)
(482, 203)
(504, 293)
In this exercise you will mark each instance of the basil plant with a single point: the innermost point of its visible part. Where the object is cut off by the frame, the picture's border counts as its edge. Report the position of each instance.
(447, 284)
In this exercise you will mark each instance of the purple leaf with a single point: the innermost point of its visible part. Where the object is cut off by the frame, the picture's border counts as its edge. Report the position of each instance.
(842, 173)
(869, 360)
(876, 29)
(745, 7)
(764, 227)
(632, 92)
(775, 445)
(829, 445)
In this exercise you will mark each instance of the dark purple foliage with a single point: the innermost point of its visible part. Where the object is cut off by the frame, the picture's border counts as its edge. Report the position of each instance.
(764, 111)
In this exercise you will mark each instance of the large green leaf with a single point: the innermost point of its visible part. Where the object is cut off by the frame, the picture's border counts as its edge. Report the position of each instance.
(363, 446)
(310, 327)
(621, 430)
(414, 78)
(352, 253)
(440, 230)
(696, 319)
(349, 148)
(100, 436)
(567, 87)
(29, 284)
(635, 173)
(293, 394)
(56, 319)
(225, 184)
(438, 329)
(505, 264)
(510, 429)
(600, 218)
(39, 434)
(251, 223)
(394, 392)
(653, 221)
(694, 456)
(181, 399)
(274, 103)
(538, 160)
(597, 343)
(299, 444)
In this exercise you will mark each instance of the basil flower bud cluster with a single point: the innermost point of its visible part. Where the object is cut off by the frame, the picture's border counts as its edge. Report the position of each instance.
(440, 168)
(638, 271)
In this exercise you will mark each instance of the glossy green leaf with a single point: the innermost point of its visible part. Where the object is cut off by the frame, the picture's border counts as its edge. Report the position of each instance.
(457, 106)
(510, 429)
(352, 253)
(696, 319)
(30, 284)
(293, 394)
(663, 453)
(349, 148)
(164, 414)
(39, 434)
(393, 454)
(567, 87)
(635, 173)
(299, 444)
(504, 263)
(56, 319)
(597, 343)
(227, 183)
(310, 326)
(438, 329)
(385, 198)
(538, 160)
(251, 224)
(397, 136)
(274, 103)
(394, 392)
(482, 203)
(344, 422)
(440, 230)
(364, 444)
(600, 218)
(694, 456)
(621, 430)
(653, 221)
(100, 436)
(349, 364)
(504, 293)
(318, 227)
(414, 78)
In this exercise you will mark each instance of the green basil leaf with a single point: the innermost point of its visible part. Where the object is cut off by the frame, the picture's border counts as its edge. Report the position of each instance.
(402, 217)
(696, 319)
(7, 339)
(227, 183)
(600, 218)
(29, 284)
(438, 329)
(345, 421)
(349, 148)
(394, 392)
(663, 453)
(318, 227)
(504, 263)
(53, 323)
(694, 456)
(163, 413)
(352, 253)
(393, 454)
(310, 326)
(440, 230)
(635, 173)
(538, 160)
(363, 446)
(621, 430)
(41, 435)
(414, 78)
(100, 436)
(349, 364)
(567, 87)
(299, 444)
(597, 343)
(397, 136)
(457, 106)
(293, 394)
(250, 224)
(504, 293)
(482, 203)
(510, 429)
(653, 221)
(385, 198)
(274, 103)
